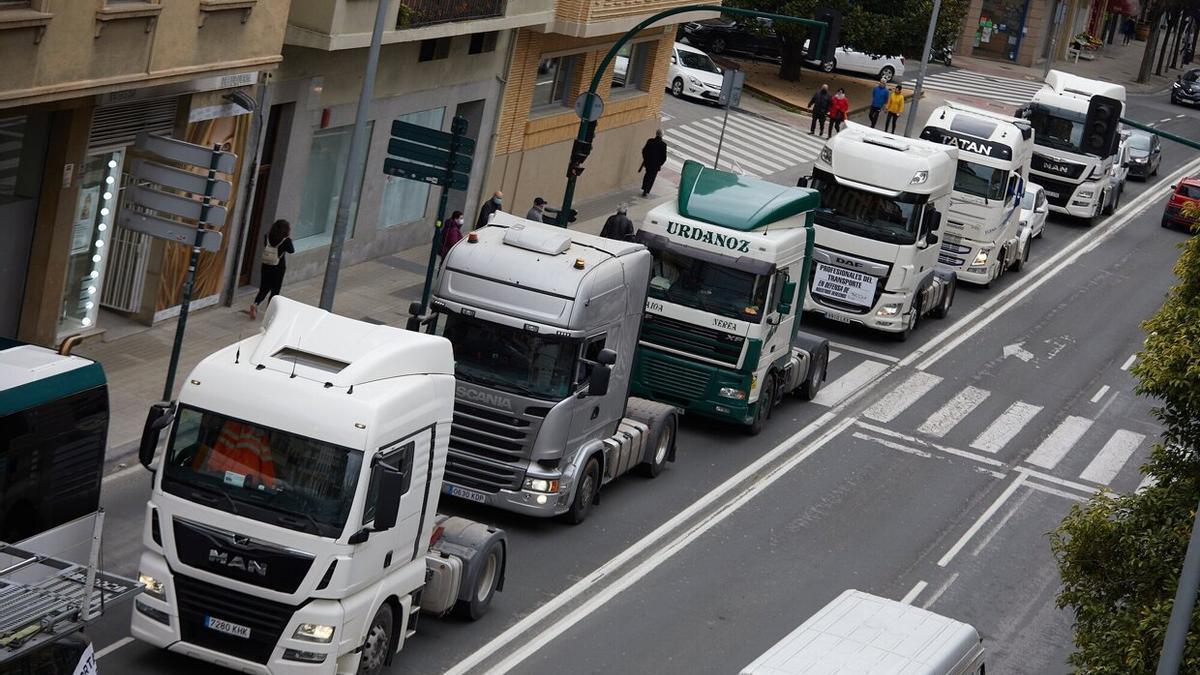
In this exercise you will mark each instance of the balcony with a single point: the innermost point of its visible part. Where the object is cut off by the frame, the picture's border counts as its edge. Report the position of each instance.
(421, 13)
(592, 18)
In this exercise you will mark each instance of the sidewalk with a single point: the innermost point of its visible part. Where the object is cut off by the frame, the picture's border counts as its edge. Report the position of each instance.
(1113, 63)
(377, 291)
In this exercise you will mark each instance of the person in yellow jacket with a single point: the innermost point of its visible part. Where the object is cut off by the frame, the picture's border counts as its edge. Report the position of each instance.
(895, 108)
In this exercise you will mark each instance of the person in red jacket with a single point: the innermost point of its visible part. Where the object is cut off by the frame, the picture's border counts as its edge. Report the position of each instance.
(839, 110)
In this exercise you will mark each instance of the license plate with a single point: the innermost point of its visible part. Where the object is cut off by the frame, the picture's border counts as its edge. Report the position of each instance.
(837, 317)
(226, 627)
(1051, 193)
(462, 493)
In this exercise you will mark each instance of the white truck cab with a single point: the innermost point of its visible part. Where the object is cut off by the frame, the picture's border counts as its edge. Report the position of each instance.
(983, 236)
(863, 634)
(876, 257)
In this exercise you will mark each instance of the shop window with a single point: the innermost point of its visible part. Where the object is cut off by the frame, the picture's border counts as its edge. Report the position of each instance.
(483, 42)
(95, 209)
(552, 83)
(432, 50)
(405, 201)
(629, 67)
(327, 162)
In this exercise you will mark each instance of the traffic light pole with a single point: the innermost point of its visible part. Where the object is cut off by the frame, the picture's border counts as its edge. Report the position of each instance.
(590, 96)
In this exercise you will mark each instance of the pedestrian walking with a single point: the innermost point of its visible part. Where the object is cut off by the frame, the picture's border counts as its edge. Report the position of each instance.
(276, 245)
(818, 108)
(451, 233)
(489, 207)
(538, 211)
(618, 226)
(654, 155)
(839, 110)
(1127, 30)
(895, 108)
(879, 97)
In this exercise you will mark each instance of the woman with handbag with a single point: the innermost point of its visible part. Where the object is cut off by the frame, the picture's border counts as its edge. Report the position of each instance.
(276, 245)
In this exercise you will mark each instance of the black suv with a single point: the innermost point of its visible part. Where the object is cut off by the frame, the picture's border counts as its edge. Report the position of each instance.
(1186, 88)
(755, 37)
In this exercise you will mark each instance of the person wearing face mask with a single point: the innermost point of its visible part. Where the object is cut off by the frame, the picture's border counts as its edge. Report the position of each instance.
(489, 207)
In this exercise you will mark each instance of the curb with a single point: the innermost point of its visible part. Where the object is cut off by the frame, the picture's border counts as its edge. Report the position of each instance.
(792, 107)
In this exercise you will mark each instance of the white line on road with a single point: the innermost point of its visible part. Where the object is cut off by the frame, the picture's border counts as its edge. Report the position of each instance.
(1180, 116)
(940, 448)
(1086, 489)
(983, 518)
(837, 391)
(1129, 361)
(956, 410)
(1100, 394)
(1004, 427)
(938, 593)
(912, 594)
(114, 647)
(1012, 509)
(1147, 482)
(1112, 457)
(1060, 441)
(660, 555)
(1055, 491)
(899, 399)
(833, 354)
(864, 352)
(891, 444)
(1164, 120)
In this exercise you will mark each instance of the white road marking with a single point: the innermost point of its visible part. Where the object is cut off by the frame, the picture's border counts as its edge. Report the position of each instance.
(1129, 361)
(1055, 491)
(1148, 482)
(891, 444)
(983, 518)
(833, 355)
(1004, 427)
(1060, 441)
(1032, 473)
(865, 352)
(962, 330)
(1008, 514)
(660, 555)
(1106, 465)
(899, 399)
(940, 448)
(1164, 120)
(1100, 394)
(114, 647)
(1180, 116)
(938, 593)
(913, 593)
(859, 376)
(955, 411)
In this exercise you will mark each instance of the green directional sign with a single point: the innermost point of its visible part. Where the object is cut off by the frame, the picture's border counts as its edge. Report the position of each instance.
(423, 172)
(427, 155)
(432, 137)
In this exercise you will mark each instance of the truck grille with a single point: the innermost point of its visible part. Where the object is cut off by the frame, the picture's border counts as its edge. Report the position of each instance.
(265, 619)
(473, 471)
(662, 331)
(485, 447)
(670, 381)
(1063, 189)
(1071, 170)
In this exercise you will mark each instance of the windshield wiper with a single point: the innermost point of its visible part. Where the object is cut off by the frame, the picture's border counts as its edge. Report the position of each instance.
(285, 516)
(198, 490)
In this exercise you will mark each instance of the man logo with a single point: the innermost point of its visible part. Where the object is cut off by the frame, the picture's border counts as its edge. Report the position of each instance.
(237, 562)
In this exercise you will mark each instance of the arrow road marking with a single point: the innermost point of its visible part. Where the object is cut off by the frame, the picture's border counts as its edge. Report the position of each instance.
(1018, 351)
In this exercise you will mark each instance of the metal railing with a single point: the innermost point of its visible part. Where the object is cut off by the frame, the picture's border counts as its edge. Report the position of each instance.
(418, 13)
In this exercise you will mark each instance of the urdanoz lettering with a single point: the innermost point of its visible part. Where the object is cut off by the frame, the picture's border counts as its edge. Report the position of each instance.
(709, 237)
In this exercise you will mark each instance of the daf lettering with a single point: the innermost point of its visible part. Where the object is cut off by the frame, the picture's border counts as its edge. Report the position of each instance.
(847, 262)
(237, 562)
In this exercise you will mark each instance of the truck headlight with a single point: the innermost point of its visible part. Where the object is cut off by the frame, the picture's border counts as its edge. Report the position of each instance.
(826, 155)
(1086, 194)
(154, 587)
(981, 258)
(733, 393)
(541, 485)
(313, 632)
(890, 309)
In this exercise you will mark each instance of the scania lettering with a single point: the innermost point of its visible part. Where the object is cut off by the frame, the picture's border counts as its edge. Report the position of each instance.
(982, 235)
(292, 525)
(1071, 161)
(721, 334)
(882, 200)
(544, 322)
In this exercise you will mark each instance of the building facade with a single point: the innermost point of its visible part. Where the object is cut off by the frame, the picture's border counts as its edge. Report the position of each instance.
(80, 81)
(1023, 31)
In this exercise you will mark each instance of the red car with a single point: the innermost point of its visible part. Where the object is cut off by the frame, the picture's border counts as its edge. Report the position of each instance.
(1187, 192)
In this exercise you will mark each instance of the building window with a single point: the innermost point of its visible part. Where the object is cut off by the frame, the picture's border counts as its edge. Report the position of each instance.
(629, 67)
(405, 201)
(91, 227)
(483, 42)
(327, 162)
(432, 50)
(552, 85)
(14, 4)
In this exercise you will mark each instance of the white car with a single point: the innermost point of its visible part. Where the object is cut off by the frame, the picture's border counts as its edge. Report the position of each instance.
(847, 58)
(1034, 209)
(693, 73)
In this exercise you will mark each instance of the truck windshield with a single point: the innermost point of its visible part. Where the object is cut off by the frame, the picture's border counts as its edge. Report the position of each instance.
(866, 214)
(979, 180)
(262, 473)
(511, 359)
(707, 286)
(1057, 128)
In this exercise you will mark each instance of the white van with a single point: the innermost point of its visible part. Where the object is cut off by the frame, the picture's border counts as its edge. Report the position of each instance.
(865, 634)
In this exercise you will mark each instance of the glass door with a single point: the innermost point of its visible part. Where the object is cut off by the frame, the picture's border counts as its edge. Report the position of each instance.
(95, 211)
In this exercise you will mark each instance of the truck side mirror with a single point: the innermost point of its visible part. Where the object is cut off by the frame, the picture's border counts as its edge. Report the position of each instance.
(935, 221)
(606, 357)
(387, 503)
(931, 238)
(598, 380)
(802, 181)
(785, 298)
(158, 418)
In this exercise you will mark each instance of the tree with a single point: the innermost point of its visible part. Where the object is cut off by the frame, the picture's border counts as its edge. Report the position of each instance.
(882, 27)
(1120, 555)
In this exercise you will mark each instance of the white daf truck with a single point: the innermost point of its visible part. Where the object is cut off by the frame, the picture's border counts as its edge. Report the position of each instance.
(982, 235)
(1071, 162)
(882, 202)
(292, 525)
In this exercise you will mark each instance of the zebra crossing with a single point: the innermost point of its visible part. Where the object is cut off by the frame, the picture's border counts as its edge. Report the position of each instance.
(1101, 448)
(978, 85)
(753, 146)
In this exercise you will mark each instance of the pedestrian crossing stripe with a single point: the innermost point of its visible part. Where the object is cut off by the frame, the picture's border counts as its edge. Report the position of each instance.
(755, 145)
(1002, 89)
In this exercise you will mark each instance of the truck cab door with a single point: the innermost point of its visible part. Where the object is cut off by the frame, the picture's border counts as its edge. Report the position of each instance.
(410, 456)
(592, 416)
(780, 323)
(928, 241)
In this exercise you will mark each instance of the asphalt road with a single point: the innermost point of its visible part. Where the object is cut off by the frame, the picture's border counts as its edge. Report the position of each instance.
(880, 485)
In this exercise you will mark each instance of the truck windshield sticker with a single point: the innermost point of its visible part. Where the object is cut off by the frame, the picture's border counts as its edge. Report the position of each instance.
(845, 285)
(709, 237)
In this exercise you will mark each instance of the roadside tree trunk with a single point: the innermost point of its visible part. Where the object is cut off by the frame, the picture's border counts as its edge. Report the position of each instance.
(1151, 42)
(792, 59)
(1179, 30)
(1166, 43)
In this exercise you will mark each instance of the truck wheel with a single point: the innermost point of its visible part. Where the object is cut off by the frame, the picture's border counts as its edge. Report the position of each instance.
(379, 640)
(664, 440)
(943, 308)
(1020, 262)
(903, 335)
(765, 400)
(816, 376)
(585, 494)
(485, 584)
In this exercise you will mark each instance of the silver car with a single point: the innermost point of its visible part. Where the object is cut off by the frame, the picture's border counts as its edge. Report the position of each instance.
(1034, 210)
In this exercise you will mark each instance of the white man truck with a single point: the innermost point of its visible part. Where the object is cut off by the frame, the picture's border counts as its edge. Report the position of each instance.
(292, 525)
(544, 323)
(982, 235)
(1076, 124)
(876, 257)
(721, 333)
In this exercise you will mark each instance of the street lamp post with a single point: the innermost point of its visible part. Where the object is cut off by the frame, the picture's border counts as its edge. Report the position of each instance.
(916, 99)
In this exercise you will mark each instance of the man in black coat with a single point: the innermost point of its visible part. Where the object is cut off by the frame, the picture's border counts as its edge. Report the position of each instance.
(654, 155)
(489, 207)
(618, 226)
(818, 107)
